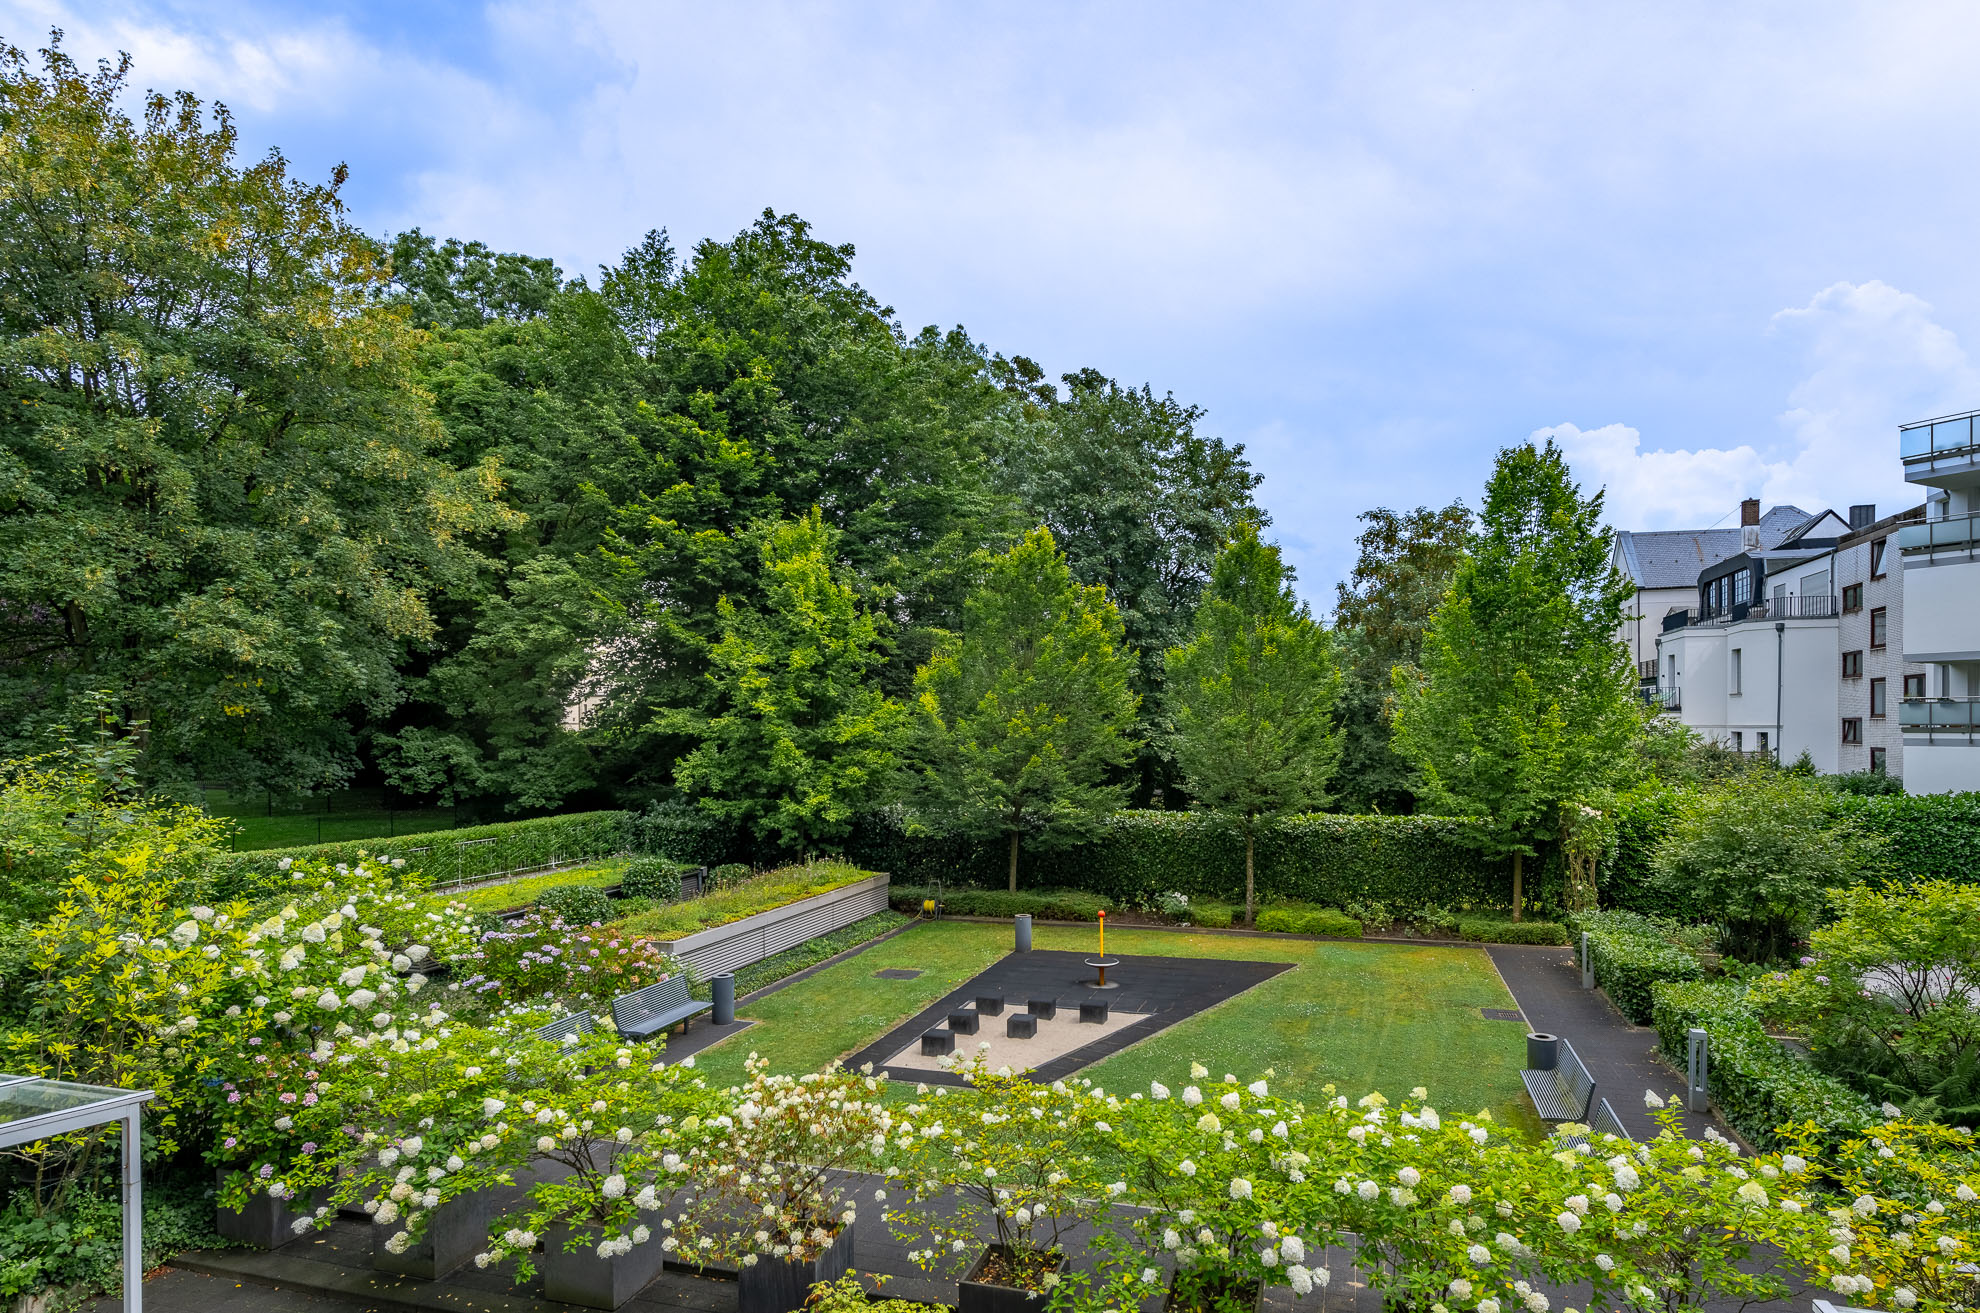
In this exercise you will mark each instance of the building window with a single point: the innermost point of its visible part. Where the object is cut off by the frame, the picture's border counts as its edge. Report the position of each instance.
(1739, 741)
(1742, 587)
(1877, 558)
(1877, 699)
(1852, 597)
(1852, 729)
(1879, 760)
(1762, 737)
(1914, 686)
(1732, 675)
(1879, 627)
(1852, 665)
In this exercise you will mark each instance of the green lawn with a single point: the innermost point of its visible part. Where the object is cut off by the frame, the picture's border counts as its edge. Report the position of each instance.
(1361, 1016)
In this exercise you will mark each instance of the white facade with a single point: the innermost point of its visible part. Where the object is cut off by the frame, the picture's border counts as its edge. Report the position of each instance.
(1757, 688)
(1941, 618)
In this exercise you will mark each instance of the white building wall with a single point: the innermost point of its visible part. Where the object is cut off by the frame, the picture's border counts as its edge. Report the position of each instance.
(1943, 621)
(1804, 698)
(1941, 768)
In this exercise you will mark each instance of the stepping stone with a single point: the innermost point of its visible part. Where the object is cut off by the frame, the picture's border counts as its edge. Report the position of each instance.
(937, 1042)
(1021, 1025)
(1093, 1011)
(963, 1022)
(896, 973)
(1502, 1014)
(990, 1005)
(1043, 1007)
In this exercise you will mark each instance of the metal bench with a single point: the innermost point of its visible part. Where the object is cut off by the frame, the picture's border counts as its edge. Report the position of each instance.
(646, 1012)
(1563, 1092)
(1602, 1121)
(563, 1029)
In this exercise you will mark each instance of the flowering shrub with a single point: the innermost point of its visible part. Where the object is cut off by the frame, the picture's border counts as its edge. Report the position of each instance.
(1016, 1155)
(780, 1157)
(541, 955)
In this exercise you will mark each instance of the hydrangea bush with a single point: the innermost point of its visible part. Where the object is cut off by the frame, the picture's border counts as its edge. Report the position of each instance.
(542, 956)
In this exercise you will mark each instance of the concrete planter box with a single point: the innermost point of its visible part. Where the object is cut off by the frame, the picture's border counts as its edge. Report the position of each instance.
(778, 1285)
(977, 1296)
(750, 940)
(455, 1233)
(579, 1276)
(265, 1223)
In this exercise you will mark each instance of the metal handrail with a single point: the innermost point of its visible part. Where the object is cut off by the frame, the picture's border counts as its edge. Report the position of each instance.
(1954, 713)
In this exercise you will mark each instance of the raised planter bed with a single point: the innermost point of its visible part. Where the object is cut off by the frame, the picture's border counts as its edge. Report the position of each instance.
(753, 938)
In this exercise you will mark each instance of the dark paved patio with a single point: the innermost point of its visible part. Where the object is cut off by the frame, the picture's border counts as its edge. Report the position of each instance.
(1163, 989)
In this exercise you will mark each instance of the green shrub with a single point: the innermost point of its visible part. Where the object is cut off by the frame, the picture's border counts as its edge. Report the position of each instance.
(1632, 953)
(729, 873)
(1323, 859)
(440, 857)
(577, 904)
(1497, 930)
(1213, 915)
(1042, 904)
(1309, 921)
(1757, 1084)
(682, 831)
(652, 877)
(1926, 837)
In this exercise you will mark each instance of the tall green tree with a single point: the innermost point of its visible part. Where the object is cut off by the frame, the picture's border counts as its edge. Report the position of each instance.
(801, 740)
(1380, 611)
(1253, 694)
(1027, 718)
(1139, 500)
(1524, 700)
(224, 497)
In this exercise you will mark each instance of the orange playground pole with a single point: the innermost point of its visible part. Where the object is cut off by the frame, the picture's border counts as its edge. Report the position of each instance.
(1103, 934)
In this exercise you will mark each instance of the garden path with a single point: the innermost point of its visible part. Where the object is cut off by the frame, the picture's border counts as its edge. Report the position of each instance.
(1623, 1058)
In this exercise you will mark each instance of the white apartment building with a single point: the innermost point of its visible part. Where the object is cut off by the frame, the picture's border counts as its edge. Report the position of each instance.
(1941, 618)
(1793, 649)
(1664, 566)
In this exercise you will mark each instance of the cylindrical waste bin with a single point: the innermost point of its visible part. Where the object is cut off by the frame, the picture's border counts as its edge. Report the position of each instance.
(1543, 1052)
(1024, 932)
(725, 998)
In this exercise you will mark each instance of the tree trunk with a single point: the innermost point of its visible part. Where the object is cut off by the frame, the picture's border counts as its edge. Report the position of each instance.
(1517, 859)
(1249, 839)
(1014, 844)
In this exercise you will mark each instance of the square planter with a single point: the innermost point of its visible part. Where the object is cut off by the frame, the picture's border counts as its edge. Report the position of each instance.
(455, 1233)
(974, 1295)
(778, 1285)
(264, 1224)
(579, 1276)
(1248, 1294)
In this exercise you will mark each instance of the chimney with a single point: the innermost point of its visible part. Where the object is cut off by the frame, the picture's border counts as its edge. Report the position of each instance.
(1749, 512)
(1862, 517)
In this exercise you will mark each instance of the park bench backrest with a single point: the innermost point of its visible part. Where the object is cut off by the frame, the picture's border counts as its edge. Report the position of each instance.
(1603, 1121)
(652, 1001)
(578, 1023)
(1574, 1077)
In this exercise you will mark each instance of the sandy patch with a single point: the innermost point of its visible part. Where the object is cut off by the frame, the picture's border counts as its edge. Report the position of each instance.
(1055, 1038)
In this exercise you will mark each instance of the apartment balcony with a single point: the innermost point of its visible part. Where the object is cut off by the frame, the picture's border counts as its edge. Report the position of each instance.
(1813, 607)
(1934, 450)
(1957, 537)
(1934, 716)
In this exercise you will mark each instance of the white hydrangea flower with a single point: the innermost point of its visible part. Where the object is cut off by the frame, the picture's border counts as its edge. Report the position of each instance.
(1569, 1222)
(1240, 1188)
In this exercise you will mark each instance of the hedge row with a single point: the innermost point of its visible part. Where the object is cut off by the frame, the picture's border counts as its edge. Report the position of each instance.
(1404, 861)
(1757, 1084)
(1930, 837)
(440, 856)
(1632, 955)
(1309, 921)
(1044, 904)
(1497, 930)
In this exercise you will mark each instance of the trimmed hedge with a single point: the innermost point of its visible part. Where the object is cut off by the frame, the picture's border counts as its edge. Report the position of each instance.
(1213, 915)
(1405, 861)
(1309, 921)
(1044, 904)
(1758, 1085)
(440, 856)
(1632, 955)
(1929, 837)
(652, 877)
(682, 831)
(577, 904)
(1497, 930)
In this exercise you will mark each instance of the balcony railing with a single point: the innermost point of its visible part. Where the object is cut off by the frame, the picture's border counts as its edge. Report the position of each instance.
(1646, 671)
(1813, 606)
(1955, 533)
(1940, 715)
(1664, 698)
(1951, 440)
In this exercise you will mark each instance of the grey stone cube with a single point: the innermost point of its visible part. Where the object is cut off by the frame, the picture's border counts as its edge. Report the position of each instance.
(1021, 1025)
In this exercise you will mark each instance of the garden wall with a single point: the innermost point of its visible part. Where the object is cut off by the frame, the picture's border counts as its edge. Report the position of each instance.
(753, 938)
(1405, 861)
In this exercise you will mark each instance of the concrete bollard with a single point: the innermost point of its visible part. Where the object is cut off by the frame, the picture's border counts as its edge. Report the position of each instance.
(1697, 1060)
(1024, 932)
(724, 987)
(1587, 963)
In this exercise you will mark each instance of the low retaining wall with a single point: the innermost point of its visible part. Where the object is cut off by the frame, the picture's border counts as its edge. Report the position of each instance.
(750, 940)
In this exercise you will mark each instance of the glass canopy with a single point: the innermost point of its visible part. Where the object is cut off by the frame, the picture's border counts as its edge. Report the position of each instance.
(33, 1107)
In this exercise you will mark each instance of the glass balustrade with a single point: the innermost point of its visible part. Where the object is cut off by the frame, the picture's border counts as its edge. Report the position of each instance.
(1959, 714)
(1954, 533)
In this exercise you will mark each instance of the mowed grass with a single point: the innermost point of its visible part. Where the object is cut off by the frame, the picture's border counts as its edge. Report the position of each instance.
(1358, 1016)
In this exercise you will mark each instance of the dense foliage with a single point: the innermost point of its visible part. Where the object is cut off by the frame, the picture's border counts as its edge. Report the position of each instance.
(1632, 954)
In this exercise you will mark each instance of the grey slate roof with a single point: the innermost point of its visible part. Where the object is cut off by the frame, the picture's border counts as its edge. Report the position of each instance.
(1672, 558)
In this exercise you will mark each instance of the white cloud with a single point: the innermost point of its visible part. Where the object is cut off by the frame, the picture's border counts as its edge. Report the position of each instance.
(1874, 357)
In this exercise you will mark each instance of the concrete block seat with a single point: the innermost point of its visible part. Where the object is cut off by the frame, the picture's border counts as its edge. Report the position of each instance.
(1021, 1025)
(646, 1012)
(935, 1043)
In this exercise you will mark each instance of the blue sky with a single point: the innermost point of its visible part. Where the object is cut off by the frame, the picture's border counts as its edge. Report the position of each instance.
(1718, 251)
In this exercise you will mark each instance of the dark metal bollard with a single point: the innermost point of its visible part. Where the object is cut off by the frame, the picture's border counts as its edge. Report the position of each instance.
(1024, 932)
(725, 998)
(1543, 1051)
